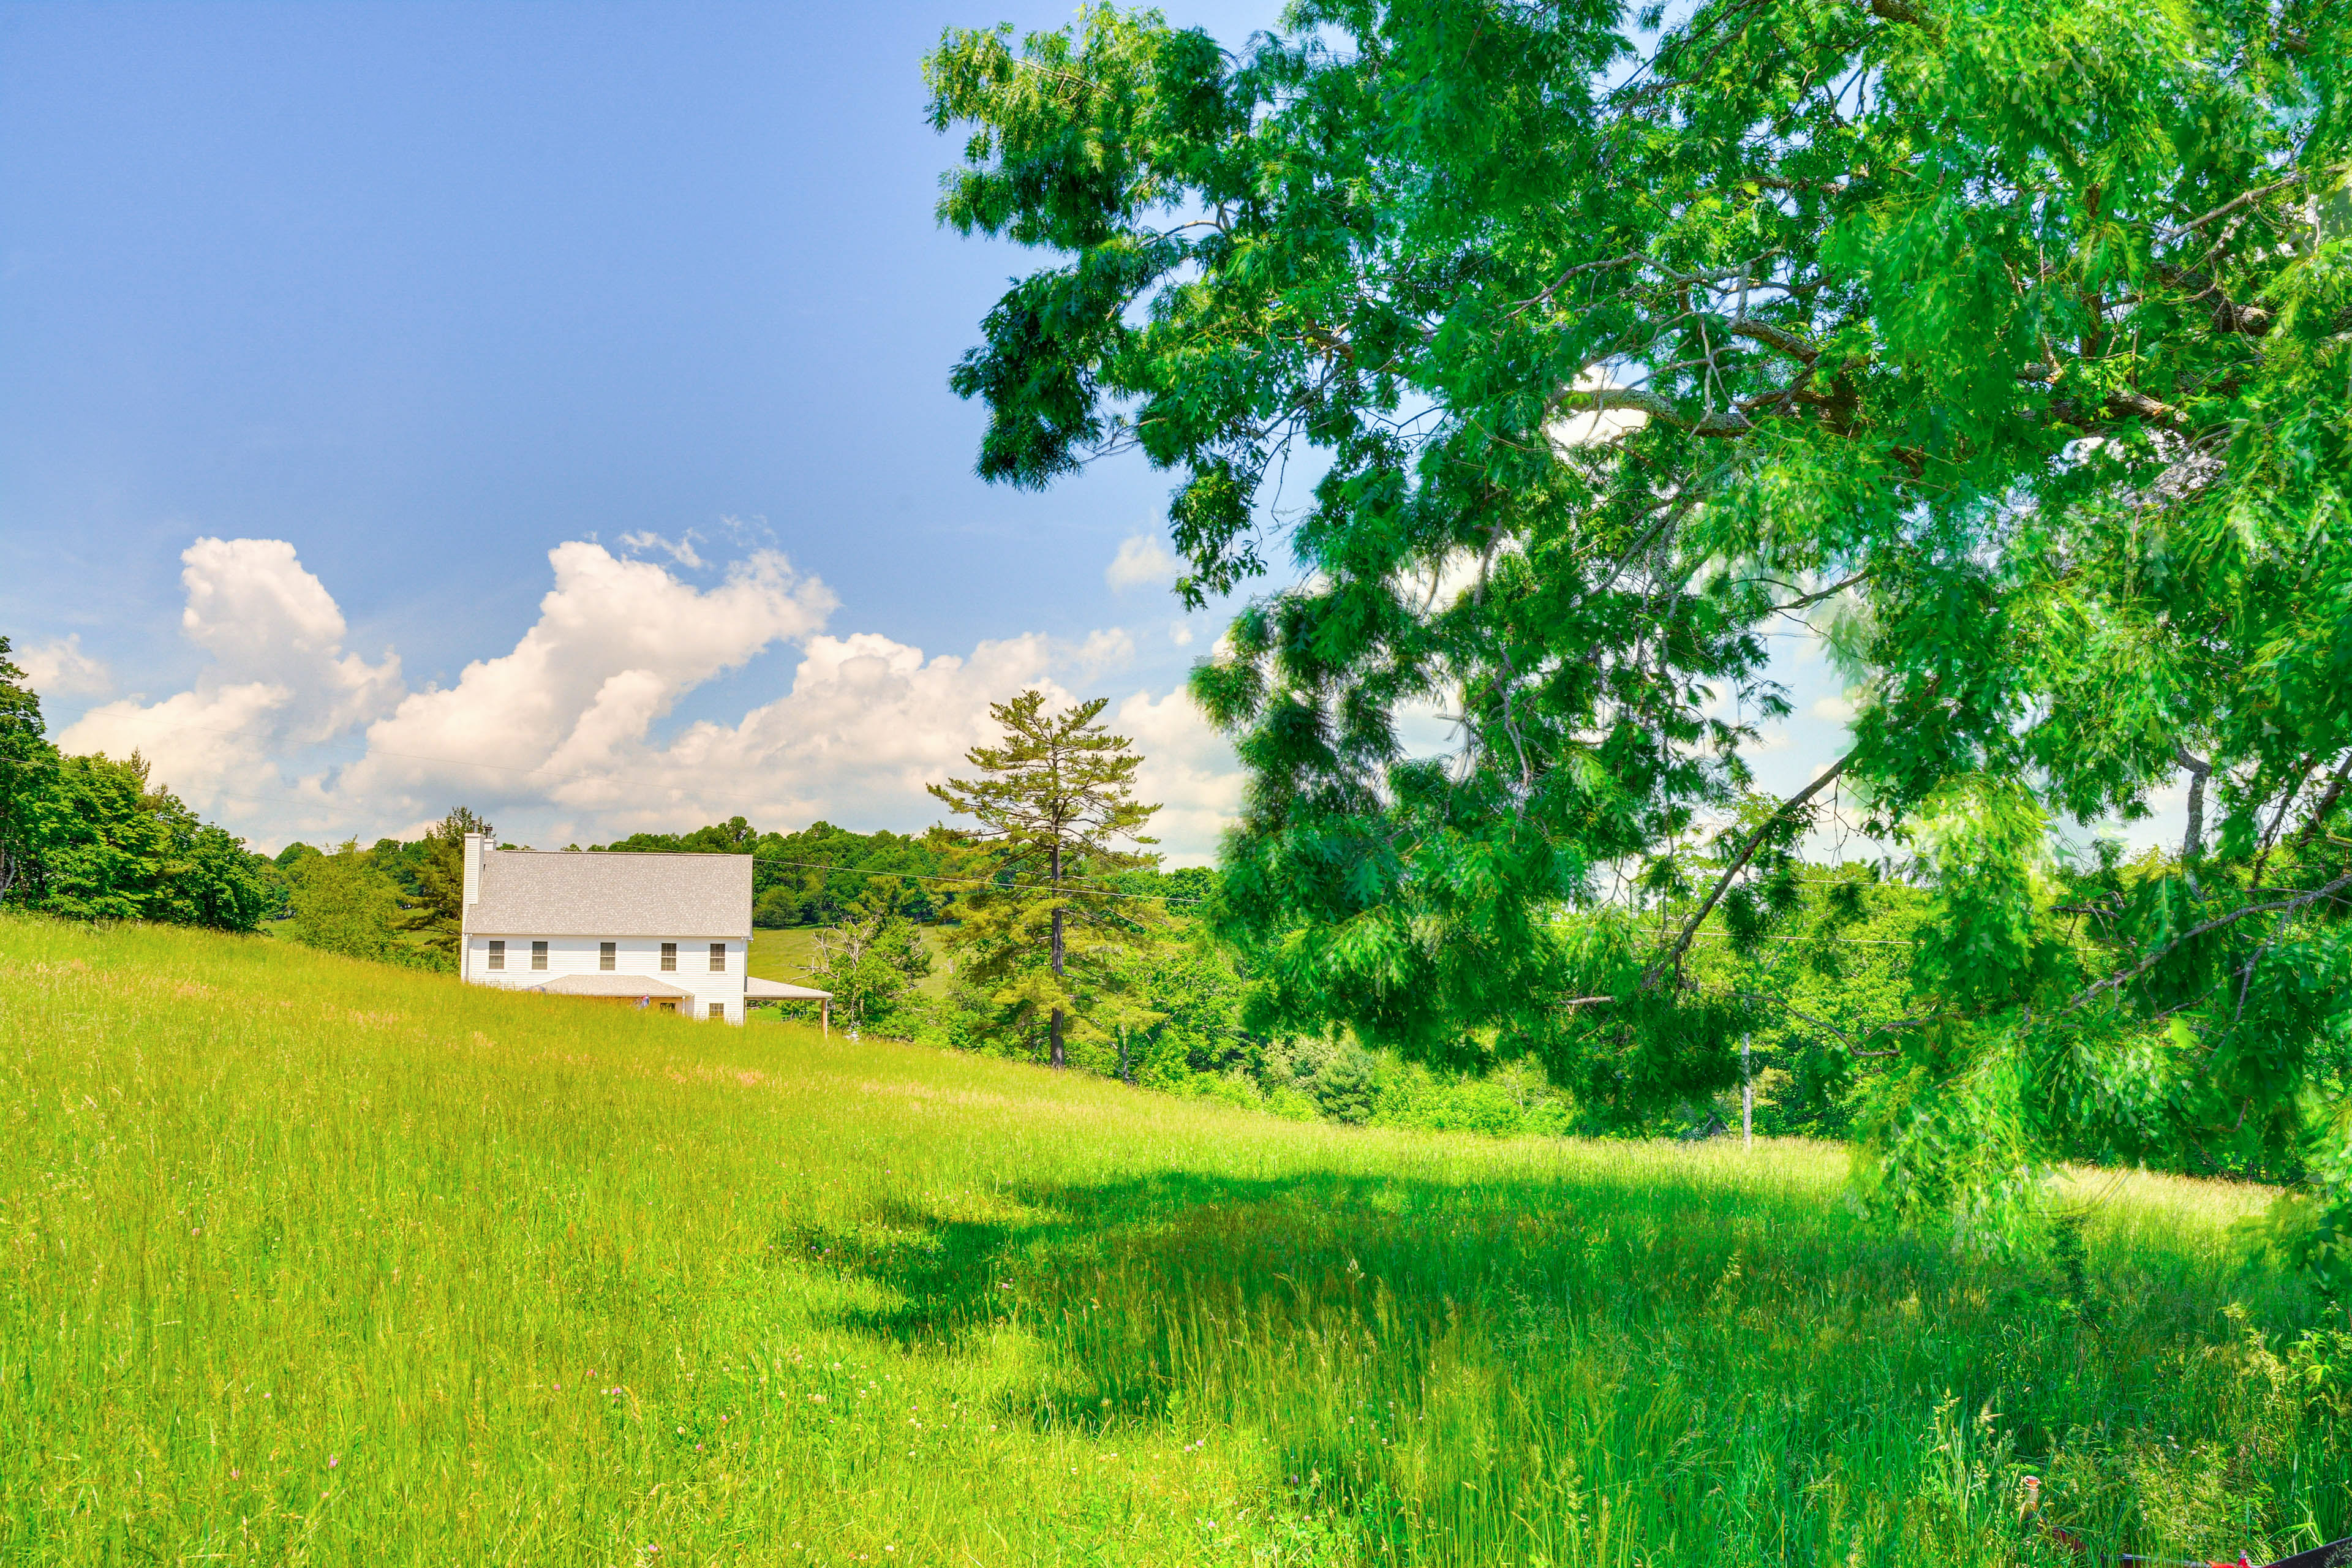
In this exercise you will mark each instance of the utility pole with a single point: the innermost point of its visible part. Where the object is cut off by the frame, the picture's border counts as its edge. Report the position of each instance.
(1747, 1100)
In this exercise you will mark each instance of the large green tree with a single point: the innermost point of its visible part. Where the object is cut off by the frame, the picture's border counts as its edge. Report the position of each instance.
(2005, 342)
(870, 962)
(344, 903)
(90, 837)
(27, 763)
(1058, 818)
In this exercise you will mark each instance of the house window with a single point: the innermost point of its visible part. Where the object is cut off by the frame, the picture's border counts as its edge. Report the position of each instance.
(498, 955)
(606, 951)
(669, 957)
(718, 958)
(719, 1011)
(538, 955)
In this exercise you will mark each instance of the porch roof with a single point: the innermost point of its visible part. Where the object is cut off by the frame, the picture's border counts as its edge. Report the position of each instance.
(758, 990)
(611, 985)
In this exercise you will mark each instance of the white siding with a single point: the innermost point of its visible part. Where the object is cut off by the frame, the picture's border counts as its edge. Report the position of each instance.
(722, 994)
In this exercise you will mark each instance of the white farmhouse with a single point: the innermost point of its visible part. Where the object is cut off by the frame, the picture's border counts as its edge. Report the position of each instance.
(671, 931)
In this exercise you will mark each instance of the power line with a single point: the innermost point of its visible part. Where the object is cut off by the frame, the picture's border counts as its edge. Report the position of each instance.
(920, 877)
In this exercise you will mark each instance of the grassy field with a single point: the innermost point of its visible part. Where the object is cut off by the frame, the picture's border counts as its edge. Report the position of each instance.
(311, 1261)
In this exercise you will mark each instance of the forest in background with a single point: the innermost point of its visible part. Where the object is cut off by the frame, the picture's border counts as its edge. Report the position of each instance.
(94, 838)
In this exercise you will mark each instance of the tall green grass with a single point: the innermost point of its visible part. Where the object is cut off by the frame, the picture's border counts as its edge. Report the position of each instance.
(313, 1261)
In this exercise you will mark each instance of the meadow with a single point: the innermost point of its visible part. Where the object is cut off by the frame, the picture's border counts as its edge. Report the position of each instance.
(309, 1260)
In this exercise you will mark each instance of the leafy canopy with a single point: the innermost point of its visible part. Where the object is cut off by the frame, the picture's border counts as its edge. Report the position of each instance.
(2004, 342)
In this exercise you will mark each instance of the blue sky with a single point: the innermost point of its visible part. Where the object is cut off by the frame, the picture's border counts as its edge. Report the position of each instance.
(428, 291)
(544, 407)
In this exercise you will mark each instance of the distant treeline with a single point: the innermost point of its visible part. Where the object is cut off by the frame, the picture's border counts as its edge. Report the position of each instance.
(818, 875)
(94, 837)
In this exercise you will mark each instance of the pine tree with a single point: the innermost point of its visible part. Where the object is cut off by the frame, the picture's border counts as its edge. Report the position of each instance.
(1056, 803)
(440, 906)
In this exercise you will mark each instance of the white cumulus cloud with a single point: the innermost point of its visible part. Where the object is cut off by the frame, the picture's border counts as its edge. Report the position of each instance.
(58, 667)
(279, 676)
(1189, 772)
(1142, 562)
(574, 732)
(616, 644)
(680, 549)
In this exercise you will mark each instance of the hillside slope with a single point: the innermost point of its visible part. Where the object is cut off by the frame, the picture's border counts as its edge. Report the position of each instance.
(313, 1261)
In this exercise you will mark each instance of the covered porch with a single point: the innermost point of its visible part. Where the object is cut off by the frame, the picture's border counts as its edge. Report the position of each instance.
(636, 990)
(758, 990)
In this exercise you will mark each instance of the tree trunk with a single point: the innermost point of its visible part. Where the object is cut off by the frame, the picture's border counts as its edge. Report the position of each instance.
(1059, 1058)
(2193, 842)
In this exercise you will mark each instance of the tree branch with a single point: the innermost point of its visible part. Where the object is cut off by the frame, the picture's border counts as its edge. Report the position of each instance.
(1831, 592)
(1786, 342)
(2165, 236)
(1739, 863)
(2192, 843)
(2153, 959)
(2327, 803)
(1896, 11)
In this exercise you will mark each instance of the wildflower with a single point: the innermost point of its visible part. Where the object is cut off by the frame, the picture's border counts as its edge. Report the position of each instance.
(333, 1459)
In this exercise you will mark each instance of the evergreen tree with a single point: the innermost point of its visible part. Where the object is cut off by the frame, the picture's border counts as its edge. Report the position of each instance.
(1056, 805)
(438, 907)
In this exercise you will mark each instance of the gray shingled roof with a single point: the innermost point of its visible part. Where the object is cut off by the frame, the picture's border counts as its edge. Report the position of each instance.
(615, 895)
(610, 985)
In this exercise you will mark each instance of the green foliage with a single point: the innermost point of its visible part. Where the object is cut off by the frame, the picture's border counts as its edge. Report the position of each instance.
(89, 839)
(871, 963)
(285, 1226)
(344, 904)
(432, 874)
(821, 873)
(26, 761)
(2006, 343)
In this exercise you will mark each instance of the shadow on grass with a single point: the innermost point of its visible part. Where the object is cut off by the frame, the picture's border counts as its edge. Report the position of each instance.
(1126, 1278)
(1408, 1346)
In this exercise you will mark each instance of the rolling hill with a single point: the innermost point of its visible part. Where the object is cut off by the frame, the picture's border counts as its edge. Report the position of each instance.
(314, 1261)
